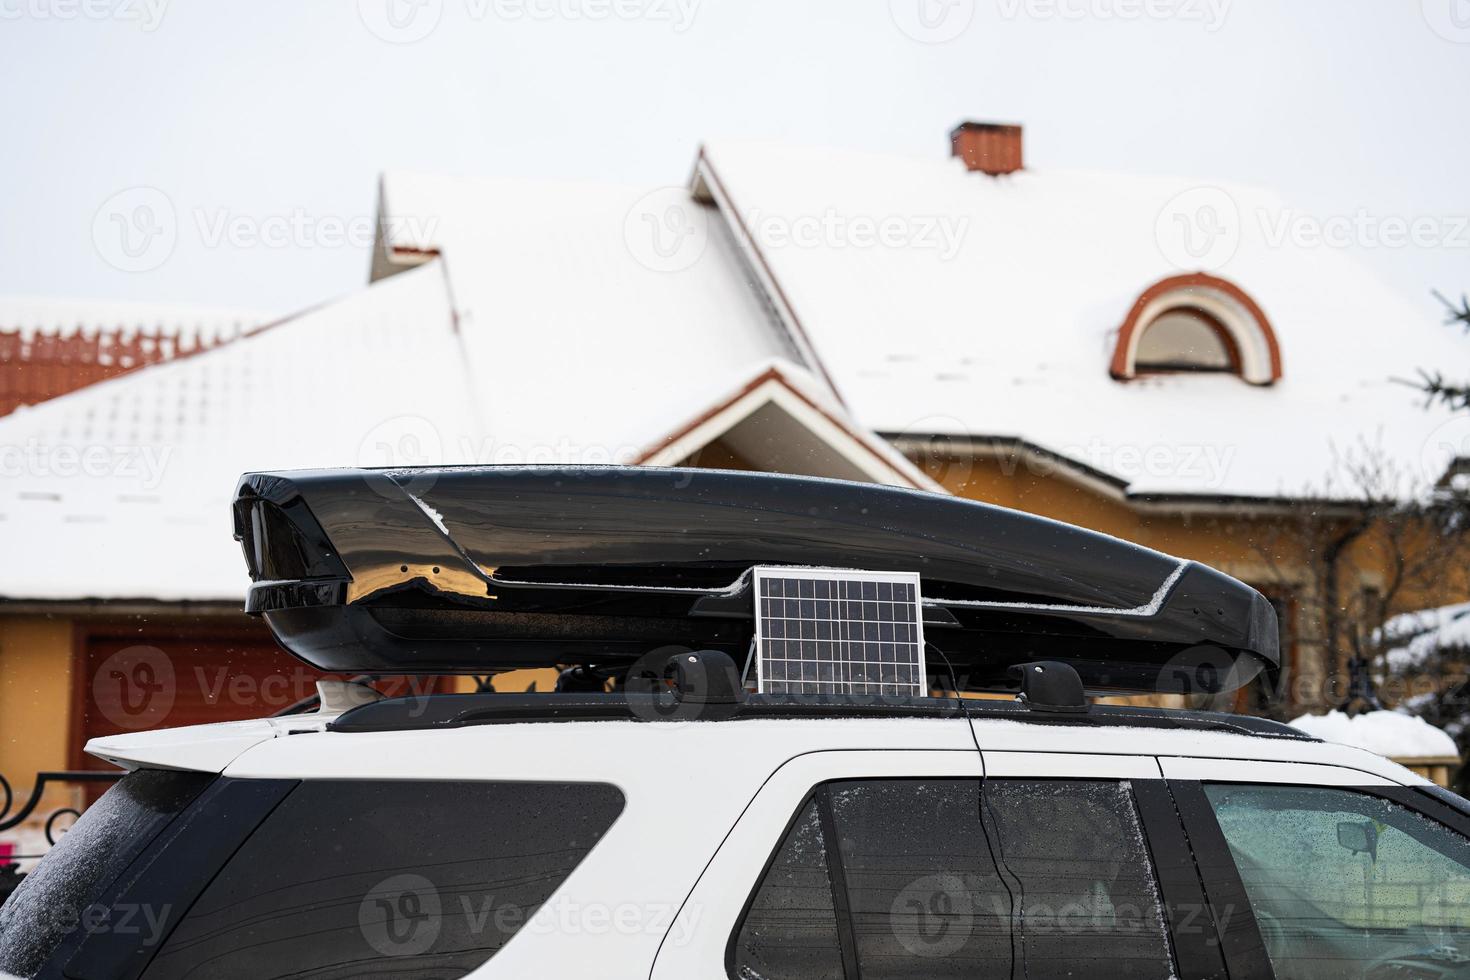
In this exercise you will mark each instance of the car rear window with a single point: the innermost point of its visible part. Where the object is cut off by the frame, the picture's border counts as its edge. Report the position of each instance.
(55, 899)
(353, 878)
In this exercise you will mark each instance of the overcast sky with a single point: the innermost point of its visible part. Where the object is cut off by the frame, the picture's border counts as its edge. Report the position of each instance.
(269, 113)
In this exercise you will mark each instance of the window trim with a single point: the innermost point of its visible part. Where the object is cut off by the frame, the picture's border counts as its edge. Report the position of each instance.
(836, 880)
(1259, 352)
(1238, 935)
(1197, 954)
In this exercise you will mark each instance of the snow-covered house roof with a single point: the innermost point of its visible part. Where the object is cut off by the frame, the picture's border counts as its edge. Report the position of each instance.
(789, 304)
(558, 311)
(535, 336)
(1391, 734)
(941, 300)
(49, 347)
(122, 489)
(32, 316)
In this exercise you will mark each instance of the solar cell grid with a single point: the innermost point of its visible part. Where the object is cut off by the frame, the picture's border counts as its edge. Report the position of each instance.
(827, 631)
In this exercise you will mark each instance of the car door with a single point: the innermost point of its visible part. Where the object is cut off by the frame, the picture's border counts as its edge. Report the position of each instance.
(936, 864)
(1326, 872)
(1068, 824)
(775, 836)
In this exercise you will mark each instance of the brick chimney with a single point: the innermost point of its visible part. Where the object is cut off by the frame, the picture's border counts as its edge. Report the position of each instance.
(990, 148)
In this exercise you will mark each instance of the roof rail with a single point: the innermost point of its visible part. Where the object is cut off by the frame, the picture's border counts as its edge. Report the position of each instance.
(437, 711)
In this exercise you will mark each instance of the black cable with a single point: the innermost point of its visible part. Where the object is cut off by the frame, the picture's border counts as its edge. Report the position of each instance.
(1001, 870)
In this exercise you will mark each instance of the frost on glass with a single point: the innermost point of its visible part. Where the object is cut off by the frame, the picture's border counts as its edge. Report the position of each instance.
(790, 931)
(1341, 882)
(924, 896)
(1089, 904)
(53, 900)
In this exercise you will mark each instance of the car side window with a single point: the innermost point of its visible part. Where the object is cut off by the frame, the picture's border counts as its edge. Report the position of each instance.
(351, 878)
(66, 888)
(1090, 903)
(1055, 879)
(790, 929)
(1343, 883)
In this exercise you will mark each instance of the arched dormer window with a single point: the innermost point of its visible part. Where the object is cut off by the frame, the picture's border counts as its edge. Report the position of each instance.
(1197, 323)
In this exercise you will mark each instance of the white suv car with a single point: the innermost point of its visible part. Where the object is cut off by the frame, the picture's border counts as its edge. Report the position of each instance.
(693, 827)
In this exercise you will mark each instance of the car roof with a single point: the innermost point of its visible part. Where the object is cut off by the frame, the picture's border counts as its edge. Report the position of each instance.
(304, 746)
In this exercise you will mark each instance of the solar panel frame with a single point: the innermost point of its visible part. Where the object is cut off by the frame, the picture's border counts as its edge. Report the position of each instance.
(857, 632)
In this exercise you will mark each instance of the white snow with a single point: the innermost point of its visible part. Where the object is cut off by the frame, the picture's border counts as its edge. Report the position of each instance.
(536, 338)
(543, 333)
(1423, 634)
(122, 489)
(1011, 335)
(1386, 733)
(579, 351)
(36, 315)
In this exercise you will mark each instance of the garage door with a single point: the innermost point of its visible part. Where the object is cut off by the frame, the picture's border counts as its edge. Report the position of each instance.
(132, 676)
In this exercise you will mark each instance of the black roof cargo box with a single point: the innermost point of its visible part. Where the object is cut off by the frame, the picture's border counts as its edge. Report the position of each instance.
(482, 569)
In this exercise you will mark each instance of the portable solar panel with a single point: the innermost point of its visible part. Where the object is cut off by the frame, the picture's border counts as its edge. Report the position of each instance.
(836, 631)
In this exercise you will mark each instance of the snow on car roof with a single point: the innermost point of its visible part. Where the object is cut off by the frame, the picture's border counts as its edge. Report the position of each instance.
(997, 315)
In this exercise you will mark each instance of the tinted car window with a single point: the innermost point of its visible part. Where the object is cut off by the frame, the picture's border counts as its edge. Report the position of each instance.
(791, 928)
(58, 897)
(1089, 902)
(1057, 878)
(1344, 884)
(414, 879)
(924, 894)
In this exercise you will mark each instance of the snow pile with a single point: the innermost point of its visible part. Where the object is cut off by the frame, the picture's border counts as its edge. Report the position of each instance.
(1386, 733)
(1417, 636)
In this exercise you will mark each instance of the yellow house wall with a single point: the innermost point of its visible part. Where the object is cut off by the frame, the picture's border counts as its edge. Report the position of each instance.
(35, 695)
(1228, 542)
